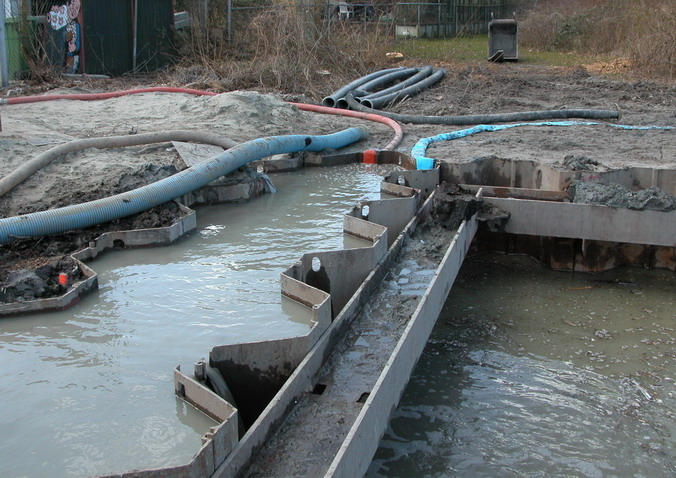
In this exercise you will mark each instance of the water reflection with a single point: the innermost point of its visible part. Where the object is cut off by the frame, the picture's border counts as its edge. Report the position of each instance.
(518, 380)
(89, 390)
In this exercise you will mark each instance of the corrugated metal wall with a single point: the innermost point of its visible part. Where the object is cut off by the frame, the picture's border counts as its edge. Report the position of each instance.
(155, 35)
(107, 36)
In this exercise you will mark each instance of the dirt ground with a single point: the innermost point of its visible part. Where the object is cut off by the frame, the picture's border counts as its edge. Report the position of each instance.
(32, 128)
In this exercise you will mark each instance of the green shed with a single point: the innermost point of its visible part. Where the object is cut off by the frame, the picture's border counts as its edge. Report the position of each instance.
(109, 37)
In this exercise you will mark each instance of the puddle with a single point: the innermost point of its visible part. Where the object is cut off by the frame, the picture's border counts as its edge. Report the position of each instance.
(89, 390)
(531, 372)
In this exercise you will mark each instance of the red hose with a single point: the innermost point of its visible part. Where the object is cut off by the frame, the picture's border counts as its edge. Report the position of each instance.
(398, 133)
(15, 100)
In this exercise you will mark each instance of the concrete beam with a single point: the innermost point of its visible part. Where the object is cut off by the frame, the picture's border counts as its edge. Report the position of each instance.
(358, 448)
(586, 221)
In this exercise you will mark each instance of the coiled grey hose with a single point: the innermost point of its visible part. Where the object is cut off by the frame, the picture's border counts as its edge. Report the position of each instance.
(333, 98)
(422, 74)
(487, 118)
(411, 90)
(377, 82)
(29, 168)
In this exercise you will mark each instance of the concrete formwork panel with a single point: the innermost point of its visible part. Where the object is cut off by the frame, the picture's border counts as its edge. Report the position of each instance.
(424, 180)
(518, 193)
(577, 254)
(159, 236)
(586, 221)
(217, 443)
(77, 290)
(107, 241)
(257, 370)
(494, 171)
(340, 272)
(392, 214)
(358, 449)
(302, 379)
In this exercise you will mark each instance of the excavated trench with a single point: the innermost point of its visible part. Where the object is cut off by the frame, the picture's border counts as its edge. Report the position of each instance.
(102, 369)
(81, 358)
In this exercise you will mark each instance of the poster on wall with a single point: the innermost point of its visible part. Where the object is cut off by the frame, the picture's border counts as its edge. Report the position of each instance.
(63, 36)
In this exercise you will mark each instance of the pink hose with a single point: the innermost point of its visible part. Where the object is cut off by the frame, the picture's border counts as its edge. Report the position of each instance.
(396, 127)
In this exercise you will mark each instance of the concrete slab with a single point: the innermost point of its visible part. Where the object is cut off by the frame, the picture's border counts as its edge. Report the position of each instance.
(194, 153)
(587, 221)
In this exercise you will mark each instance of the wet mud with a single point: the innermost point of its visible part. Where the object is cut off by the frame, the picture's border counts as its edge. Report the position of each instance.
(616, 195)
(452, 205)
(30, 267)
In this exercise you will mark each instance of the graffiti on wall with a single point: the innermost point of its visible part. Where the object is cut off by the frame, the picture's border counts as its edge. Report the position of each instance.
(65, 34)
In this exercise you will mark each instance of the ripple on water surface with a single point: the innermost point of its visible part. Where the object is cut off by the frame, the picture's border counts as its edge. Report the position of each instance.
(89, 390)
(531, 372)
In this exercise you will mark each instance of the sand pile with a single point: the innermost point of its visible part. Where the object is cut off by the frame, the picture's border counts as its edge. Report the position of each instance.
(32, 128)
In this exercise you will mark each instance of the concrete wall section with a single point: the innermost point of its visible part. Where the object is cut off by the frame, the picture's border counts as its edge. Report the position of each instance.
(586, 221)
(358, 448)
(494, 171)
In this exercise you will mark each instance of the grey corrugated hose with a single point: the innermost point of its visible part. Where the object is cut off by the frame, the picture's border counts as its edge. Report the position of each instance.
(487, 118)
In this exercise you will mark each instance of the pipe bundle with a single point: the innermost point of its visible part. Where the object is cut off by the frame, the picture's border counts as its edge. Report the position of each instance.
(398, 83)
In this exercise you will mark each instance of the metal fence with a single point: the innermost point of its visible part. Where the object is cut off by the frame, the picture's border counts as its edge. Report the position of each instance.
(434, 19)
(112, 49)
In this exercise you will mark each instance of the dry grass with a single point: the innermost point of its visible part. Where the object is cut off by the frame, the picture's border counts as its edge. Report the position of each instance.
(643, 31)
(283, 49)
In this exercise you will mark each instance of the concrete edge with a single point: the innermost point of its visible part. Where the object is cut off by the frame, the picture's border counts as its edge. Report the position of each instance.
(357, 450)
(301, 380)
(103, 243)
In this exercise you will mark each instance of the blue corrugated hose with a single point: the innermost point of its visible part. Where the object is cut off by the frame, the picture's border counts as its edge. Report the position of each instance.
(104, 210)
(423, 162)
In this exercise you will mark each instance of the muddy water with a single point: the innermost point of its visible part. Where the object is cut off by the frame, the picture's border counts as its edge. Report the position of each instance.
(89, 391)
(531, 372)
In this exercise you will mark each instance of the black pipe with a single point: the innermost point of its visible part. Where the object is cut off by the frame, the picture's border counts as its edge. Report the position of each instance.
(487, 118)
(369, 86)
(422, 74)
(331, 100)
(408, 91)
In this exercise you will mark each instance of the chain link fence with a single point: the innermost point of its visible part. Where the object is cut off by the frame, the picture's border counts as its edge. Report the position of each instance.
(127, 35)
(230, 19)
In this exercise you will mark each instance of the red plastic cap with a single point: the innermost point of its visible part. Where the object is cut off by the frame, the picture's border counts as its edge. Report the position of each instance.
(368, 156)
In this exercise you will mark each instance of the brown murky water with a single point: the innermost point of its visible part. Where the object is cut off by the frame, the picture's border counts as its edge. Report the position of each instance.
(89, 391)
(532, 372)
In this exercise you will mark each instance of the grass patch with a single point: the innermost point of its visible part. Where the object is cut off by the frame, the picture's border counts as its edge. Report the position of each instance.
(451, 50)
(475, 49)
(560, 58)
